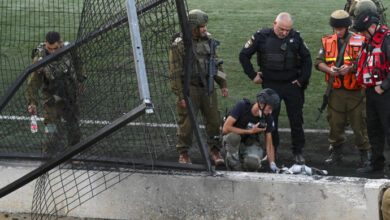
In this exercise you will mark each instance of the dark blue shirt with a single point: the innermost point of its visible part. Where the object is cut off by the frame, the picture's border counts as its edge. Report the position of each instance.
(243, 114)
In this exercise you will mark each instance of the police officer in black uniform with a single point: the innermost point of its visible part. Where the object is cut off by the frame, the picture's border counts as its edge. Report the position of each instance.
(285, 66)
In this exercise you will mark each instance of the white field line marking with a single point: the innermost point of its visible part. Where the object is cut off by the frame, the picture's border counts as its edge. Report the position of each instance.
(163, 125)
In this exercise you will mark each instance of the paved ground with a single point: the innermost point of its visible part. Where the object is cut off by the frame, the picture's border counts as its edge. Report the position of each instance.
(11, 216)
(315, 153)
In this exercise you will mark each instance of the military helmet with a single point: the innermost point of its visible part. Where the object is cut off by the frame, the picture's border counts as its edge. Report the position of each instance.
(269, 97)
(364, 5)
(339, 19)
(197, 18)
(364, 20)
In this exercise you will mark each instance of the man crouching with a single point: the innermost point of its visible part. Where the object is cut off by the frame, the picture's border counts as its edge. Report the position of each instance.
(241, 132)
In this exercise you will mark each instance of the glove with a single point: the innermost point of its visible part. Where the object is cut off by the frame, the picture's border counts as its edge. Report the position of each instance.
(274, 168)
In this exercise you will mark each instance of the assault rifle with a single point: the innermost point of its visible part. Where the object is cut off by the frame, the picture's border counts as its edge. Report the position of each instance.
(212, 68)
(330, 83)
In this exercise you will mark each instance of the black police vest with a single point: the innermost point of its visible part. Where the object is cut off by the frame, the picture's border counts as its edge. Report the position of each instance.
(278, 54)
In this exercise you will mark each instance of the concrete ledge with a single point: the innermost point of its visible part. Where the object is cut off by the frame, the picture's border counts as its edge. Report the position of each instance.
(228, 195)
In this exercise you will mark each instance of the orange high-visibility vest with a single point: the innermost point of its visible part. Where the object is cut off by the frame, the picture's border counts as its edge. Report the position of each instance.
(354, 45)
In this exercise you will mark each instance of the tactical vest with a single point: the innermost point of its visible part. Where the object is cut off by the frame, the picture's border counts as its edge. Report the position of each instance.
(201, 50)
(351, 53)
(373, 67)
(59, 75)
(278, 54)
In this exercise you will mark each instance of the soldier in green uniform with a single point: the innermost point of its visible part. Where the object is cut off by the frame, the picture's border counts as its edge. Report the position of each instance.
(60, 81)
(347, 98)
(198, 88)
(354, 7)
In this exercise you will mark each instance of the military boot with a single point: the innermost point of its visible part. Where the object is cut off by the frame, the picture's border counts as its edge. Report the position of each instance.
(336, 155)
(365, 158)
(367, 166)
(299, 159)
(216, 156)
(184, 158)
(369, 169)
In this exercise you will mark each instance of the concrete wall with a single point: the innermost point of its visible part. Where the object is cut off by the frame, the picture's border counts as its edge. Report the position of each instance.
(228, 195)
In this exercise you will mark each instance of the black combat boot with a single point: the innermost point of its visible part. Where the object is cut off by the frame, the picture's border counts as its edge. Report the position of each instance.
(299, 159)
(336, 155)
(368, 167)
(365, 158)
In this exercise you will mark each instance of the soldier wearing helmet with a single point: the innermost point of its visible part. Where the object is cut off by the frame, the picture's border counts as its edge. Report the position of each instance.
(346, 102)
(373, 72)
(355, 7)
(241, 132)
(201, 39)
(285, 66)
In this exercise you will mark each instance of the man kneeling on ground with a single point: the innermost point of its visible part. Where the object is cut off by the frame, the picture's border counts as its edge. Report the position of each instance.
(241, 132)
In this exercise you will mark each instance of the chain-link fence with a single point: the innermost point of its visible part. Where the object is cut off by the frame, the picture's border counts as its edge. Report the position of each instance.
(81, 84)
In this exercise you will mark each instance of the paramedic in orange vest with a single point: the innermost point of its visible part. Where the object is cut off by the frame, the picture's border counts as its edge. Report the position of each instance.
(346, 103)
(373, 73)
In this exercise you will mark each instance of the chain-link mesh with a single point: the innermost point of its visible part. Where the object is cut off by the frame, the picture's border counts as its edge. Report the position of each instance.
(83, 90)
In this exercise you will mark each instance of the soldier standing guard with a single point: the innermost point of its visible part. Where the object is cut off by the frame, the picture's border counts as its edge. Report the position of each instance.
(198, 88)
(61, 80)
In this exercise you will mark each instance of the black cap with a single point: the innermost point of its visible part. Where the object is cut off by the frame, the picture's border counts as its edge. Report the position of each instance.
(364, 20)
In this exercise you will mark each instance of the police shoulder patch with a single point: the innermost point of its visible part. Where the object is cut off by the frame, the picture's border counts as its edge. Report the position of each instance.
(249, 43)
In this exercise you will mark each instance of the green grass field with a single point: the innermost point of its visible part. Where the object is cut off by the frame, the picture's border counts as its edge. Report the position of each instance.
(233, 22)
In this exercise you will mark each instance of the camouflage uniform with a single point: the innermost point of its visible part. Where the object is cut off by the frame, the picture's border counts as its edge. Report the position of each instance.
(198, 94)
(350, 7)
(60, 83)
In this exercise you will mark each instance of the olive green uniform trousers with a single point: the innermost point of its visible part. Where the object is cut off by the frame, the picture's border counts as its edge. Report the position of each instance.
(55, 129)
(347, 107)
(210, 113)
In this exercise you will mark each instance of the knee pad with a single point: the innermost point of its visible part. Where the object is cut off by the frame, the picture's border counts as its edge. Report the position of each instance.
(252, 158)
(232, 139)
(252, 162)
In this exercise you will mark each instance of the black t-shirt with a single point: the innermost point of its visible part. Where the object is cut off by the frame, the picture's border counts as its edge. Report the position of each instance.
(242, 113)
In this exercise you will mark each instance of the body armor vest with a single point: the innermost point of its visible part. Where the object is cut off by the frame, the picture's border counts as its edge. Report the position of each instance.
(372, 65)
(59, 75)
(201, 50)
(352, 49)
(278, 54)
